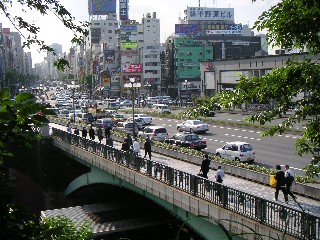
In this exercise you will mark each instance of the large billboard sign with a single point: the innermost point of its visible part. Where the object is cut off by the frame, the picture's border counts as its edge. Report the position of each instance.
(102, 7)
(129, 53)
(123, 9)
(128, 38)
(132, 68)
(213, 28)
(209, 14)
(186, 29)
(95, 35)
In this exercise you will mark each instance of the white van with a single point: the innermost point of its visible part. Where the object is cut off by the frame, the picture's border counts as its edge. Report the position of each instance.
(161, 108)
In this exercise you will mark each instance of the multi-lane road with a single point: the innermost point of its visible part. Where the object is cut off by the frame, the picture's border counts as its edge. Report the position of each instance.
(279, 149)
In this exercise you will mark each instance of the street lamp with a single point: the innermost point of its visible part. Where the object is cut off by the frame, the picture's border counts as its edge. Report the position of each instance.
(133, 85)
(186, 83)
(74, 110)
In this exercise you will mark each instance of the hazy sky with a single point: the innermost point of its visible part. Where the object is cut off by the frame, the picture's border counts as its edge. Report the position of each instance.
(168, 11)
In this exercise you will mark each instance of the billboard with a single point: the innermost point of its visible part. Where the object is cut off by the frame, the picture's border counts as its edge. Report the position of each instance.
(128, 28)
(129, 45)
(115, 71)
(186, 29)
(214, 28)
(209, 14)
(102, 7)
(128, 37)
(129, 53)
(126, 79)
(123, 9)
(132, 68)
(105, 75)
(109, 56)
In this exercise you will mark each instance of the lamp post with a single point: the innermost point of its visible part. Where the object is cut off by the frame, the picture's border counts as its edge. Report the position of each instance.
(186, 83)
(133, 85)
(74, 110)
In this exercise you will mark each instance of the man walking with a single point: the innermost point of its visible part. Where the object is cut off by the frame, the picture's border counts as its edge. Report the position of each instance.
(147, 148)
(205, 166)
(219, 175)
(281, 184)
(91, 133)
(136, 146)
(107, 131)
(289, 176)
(100, 134)
(84, 132)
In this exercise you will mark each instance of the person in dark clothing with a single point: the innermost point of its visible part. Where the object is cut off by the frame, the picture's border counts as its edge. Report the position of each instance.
(205, 166)
(125, 145)
(91, 133)
(109, 141)
(107, 131)
(147, 148)
(129, 140)
(76, 131)
(281, 184)
(84, 132)
(100, 134)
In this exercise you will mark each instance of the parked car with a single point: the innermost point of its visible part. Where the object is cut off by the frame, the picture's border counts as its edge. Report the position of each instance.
(157, 133)
(145, 117)
(238, 151)
(161, 108)
(125, 103)
(85, 118)
(193, 126)
(118, 118)
(104, 123)
(126, 127)
(138, 121)
(189, 140)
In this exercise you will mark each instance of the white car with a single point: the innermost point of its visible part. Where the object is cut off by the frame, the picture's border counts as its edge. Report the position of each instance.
(157, 133)
(238, 151)
(193, 126)
(145, 117)
(125, 103)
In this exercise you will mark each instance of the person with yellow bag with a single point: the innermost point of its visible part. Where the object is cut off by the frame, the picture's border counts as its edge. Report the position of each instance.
(273, 181)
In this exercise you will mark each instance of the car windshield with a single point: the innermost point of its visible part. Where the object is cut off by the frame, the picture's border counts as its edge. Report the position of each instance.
(160, 130)
(143, 115)
(192, 137)
(197, 122)
(245, 148)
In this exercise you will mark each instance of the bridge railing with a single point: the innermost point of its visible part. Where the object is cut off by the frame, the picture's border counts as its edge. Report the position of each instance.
(293, 221)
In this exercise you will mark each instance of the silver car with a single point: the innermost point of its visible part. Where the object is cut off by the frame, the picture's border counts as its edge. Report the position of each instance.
(193, 126)
(157, 133)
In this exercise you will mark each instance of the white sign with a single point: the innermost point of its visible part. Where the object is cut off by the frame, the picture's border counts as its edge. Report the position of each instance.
(207, 14)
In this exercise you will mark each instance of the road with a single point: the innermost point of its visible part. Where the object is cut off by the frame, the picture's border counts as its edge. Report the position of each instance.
(270, 151)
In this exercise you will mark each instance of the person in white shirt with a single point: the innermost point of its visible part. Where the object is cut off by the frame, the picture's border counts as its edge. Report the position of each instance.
(219, 175)
(289, 176)
(136, 146)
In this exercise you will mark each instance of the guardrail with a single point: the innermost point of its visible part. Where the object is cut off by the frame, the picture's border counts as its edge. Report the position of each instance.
(294, 222)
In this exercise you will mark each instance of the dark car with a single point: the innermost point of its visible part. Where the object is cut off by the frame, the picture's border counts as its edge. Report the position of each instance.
(189, 140)
(104, 123)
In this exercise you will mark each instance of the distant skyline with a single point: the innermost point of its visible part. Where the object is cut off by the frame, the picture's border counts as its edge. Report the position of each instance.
(52, 30)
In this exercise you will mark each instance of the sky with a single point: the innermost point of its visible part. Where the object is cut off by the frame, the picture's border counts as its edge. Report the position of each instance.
(168, 11)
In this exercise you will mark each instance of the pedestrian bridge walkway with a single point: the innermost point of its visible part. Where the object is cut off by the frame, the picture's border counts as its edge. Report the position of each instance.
(237, 210)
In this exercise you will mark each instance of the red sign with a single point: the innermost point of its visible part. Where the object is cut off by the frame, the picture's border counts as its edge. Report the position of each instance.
(132, 68)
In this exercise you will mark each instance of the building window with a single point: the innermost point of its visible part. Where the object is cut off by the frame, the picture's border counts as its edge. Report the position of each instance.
(109, 31)
(182, 53)
(200, 53)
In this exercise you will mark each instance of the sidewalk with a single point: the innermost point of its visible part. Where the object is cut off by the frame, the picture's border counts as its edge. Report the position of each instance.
(253, 188)
(265, 192)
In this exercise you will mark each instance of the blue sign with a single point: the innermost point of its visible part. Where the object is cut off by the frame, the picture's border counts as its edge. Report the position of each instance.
(102, 7)
(128, 28)
(186, 29)
(123, 9)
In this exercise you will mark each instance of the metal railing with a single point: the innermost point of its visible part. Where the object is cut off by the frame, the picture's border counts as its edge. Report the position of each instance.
(292, 221)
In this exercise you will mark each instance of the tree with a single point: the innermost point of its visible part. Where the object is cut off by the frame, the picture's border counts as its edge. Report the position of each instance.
(44, 7)
(290, 24)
